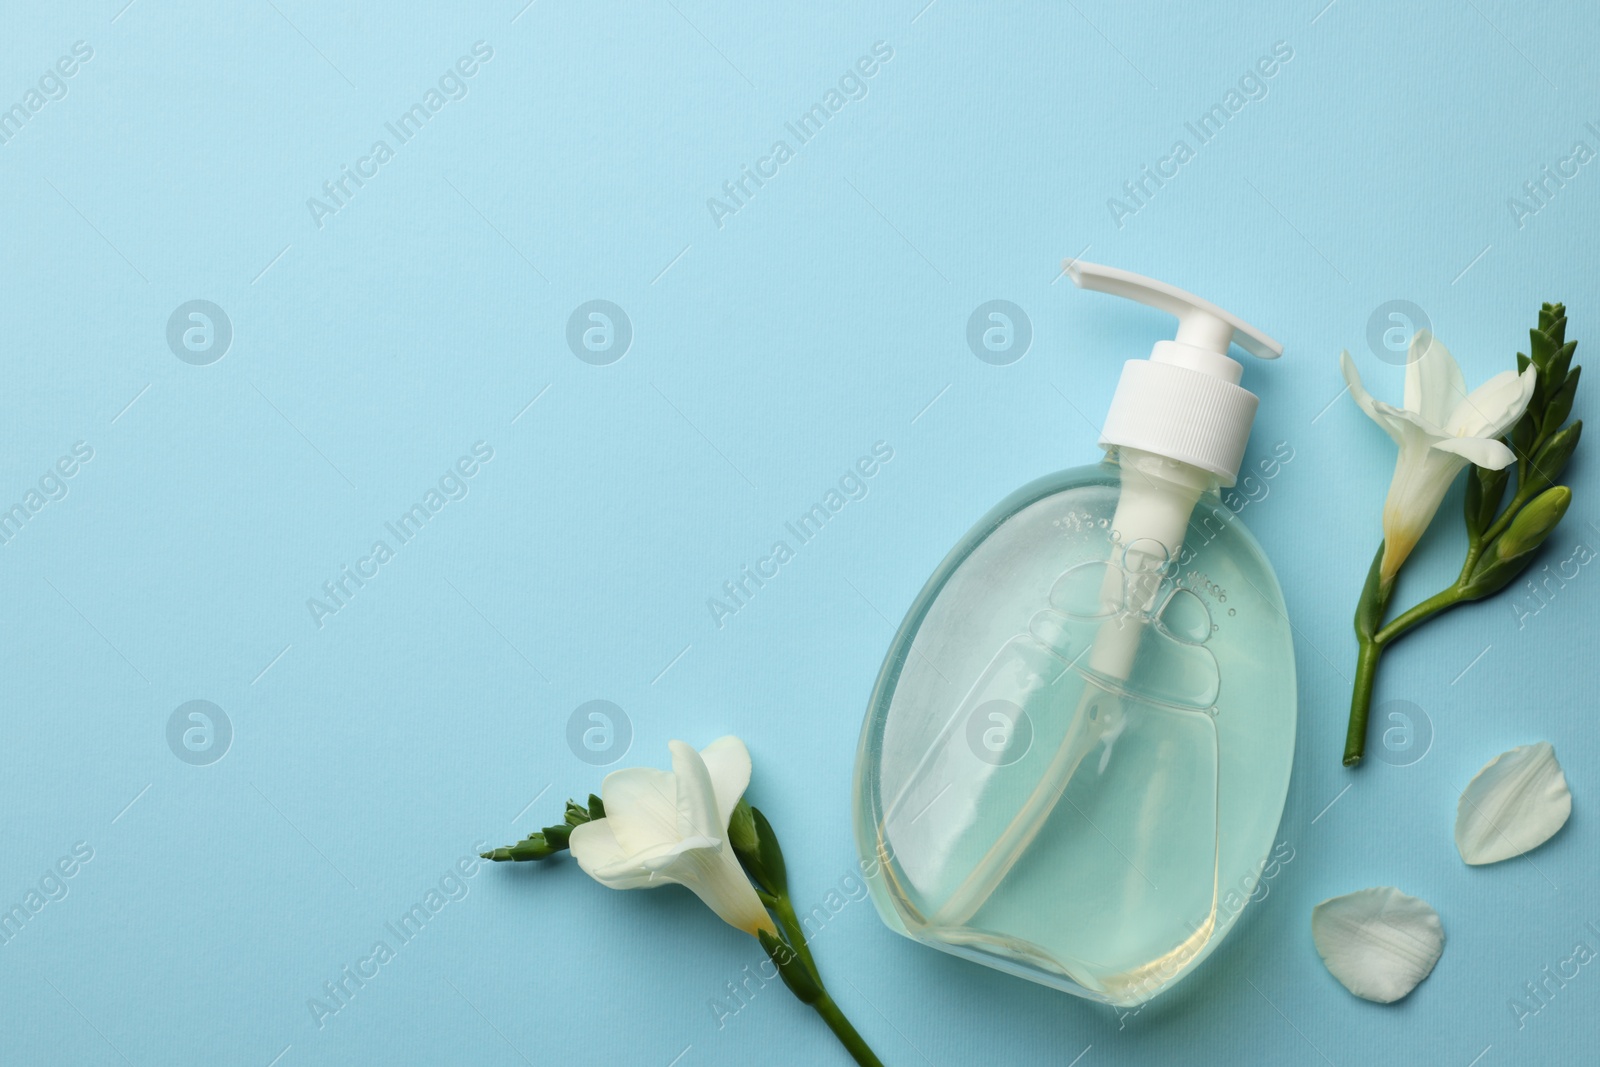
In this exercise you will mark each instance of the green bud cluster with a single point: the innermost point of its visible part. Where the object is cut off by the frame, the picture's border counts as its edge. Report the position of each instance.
(542, 844)
(1503, 543)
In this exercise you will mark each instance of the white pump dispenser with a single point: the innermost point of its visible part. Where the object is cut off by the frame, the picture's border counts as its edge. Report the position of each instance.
(1184, 406)
(1184, 402)
(1080, 742)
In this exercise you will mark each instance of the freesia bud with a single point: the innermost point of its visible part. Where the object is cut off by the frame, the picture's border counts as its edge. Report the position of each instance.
(1552, 458)
(1533, 523)
(742, 830)
(1513, 550)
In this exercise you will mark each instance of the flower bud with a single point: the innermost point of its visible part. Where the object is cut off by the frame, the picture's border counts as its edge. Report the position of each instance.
(532, 847)
(1534, 522)
(742, 830)
(1551, 459)
(1513, 550)
(1560, 405)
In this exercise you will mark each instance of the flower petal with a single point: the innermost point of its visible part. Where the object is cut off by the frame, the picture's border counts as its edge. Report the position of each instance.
(1516, 803)
(594, 845)
(1493, 407)
(716, 878)
(642, 808)
(1378, 942)
(1402, 425)
(665, 861)
(1434, 385)
(697, 799)
(1422, 476)
(728, 763)
(1484, 451)
(1363, 399)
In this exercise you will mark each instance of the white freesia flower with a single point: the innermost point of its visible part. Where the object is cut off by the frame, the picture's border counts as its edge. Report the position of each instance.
(671, 828)
(1440, 429)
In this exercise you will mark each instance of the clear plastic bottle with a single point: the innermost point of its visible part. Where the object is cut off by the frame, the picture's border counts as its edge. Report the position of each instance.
(1077, 753)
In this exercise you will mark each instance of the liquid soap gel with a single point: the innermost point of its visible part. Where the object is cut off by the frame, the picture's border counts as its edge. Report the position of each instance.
(1078, 748)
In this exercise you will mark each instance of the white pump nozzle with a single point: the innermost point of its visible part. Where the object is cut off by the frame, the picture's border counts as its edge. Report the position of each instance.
(1184, 402)
(1200, 322)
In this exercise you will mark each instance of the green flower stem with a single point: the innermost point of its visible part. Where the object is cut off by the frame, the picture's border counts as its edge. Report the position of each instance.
(1372, 648)
(1523, 494)
(818, 998)
(852, 1041)
(795, 934)
(1375, 594)
(1413, 617)
(1355, 739)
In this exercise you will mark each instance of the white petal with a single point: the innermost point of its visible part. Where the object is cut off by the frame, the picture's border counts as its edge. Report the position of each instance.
(1363, 399)
(642, 808)
(595, 847)
(1434, 385)
(1402, 425)
(1484, 451)
(716, 878)
(1493, 407)
(669, 859)
(728, 763)
(696, 800)
(1516, 803)
(1422, 476)
(1378, 942)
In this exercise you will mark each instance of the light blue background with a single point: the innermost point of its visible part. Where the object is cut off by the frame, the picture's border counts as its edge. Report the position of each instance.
(829, 313)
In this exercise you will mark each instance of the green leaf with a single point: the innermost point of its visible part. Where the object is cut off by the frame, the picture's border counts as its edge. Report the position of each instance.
(791, 968)
(597, 808)
(559, 836)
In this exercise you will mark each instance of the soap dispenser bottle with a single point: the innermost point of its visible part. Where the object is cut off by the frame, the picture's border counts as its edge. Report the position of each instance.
(1078, 748)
